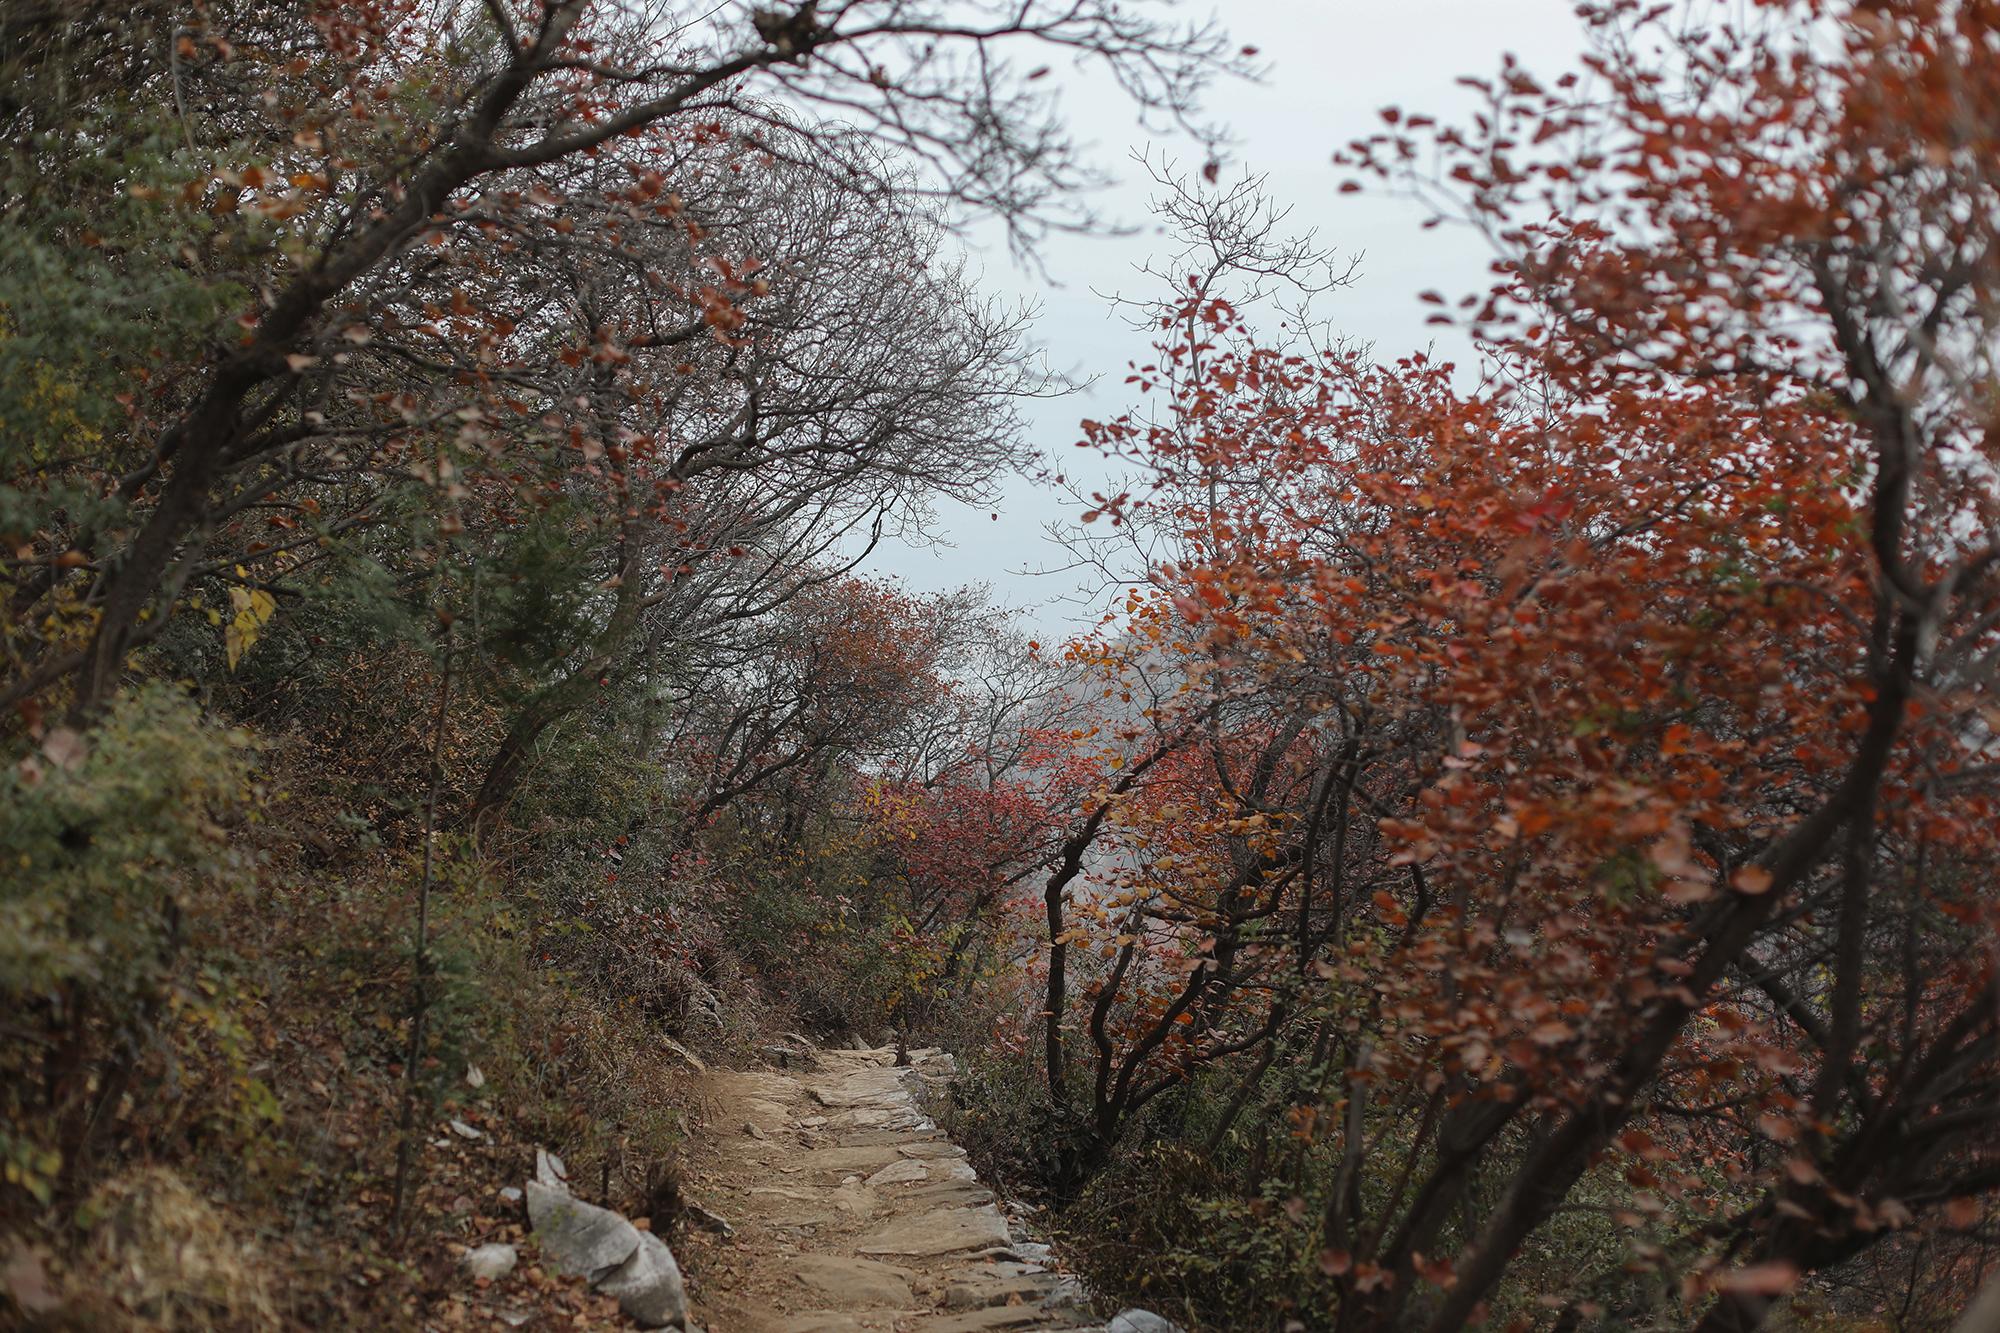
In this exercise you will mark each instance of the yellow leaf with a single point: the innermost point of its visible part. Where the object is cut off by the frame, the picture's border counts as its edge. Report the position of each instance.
(254, 609)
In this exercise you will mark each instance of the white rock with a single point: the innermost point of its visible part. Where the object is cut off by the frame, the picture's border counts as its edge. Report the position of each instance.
(550, 1171)
(1140, 1321)
(1067, 1290)
(635, 1267)
(465, 1131)
(491, 1261)
(648, 1285)
(579, 1238)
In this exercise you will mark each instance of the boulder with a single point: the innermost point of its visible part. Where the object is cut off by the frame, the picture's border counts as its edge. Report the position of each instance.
(633, 1267)
(579, 1238)
(647, 1286)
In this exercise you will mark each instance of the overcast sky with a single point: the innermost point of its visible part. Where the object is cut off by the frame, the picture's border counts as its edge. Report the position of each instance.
(1334, 65)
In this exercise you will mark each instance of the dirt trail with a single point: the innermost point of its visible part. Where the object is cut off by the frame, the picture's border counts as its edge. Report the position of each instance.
(854, 1212)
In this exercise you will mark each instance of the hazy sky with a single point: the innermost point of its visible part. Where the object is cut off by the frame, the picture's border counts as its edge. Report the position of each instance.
(1334, 65)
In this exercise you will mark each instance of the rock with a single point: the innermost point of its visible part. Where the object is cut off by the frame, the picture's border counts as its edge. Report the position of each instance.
(647, 1286)
(708, 1221)
(933, 1148)
(491, 1261)
(511, 1194)
(755, 1131)
(465, 1131)
(686, 1056)
(855, 1138)
(550, 1171)
(787, 1056)
(944, 1231)
(993, 1267)
(703, 1003)
(865, 1087)
(580, 1239)
(899, 1173)
(879, 1117)
(988, 1320)
(822, 1321)
(976, 1291)
(1036, 1253)
(946, 1194)
(1002, 1255)
(1067, 1290)
(777, 1206)
(856, 1201)
(633, 1267)
(845, 1161)
(853, 1284)
(1140, 1321)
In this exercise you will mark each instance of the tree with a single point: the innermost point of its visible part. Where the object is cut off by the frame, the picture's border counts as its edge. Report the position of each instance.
(862, 381)
(1627, 719)
(409, 157)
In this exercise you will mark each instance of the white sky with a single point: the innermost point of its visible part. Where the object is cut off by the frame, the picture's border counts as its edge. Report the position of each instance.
(1334, 65)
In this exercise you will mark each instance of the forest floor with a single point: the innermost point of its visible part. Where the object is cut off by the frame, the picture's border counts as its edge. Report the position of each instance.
(852, 1211)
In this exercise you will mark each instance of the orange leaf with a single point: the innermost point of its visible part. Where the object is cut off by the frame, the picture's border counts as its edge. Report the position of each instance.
(1752, 880)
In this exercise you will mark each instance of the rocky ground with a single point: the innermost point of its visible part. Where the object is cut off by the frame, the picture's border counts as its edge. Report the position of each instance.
(852, 1211)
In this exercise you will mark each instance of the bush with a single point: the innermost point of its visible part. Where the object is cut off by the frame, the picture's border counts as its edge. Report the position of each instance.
(1162, 1227)
(113, 860)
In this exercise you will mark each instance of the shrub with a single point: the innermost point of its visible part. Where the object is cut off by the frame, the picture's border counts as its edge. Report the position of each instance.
(1161, 1226)
(113, 855)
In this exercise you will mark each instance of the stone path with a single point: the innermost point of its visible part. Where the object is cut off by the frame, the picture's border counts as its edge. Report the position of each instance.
(852, 1211)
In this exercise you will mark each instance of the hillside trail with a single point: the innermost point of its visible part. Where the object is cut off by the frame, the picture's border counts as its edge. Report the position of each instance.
(852, 1211)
